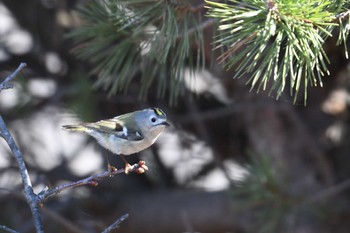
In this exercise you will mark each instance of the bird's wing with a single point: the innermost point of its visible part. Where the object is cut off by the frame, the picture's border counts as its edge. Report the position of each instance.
(117, 128)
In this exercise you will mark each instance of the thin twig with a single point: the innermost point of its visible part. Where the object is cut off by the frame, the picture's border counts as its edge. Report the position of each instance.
(28, 189)
(195, 9)
(271, 5)
(197, 28)
(91, 180)
(8, 229)
(329, 192)
(201, 26)
(6, 83)
(116, 224)
(343, 15)
(66, 225)
(29, 194)
(237, 45)
(184, 6)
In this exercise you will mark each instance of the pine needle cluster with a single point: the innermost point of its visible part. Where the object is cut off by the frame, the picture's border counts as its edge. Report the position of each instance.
(279, 41)
(146, 39)
(278, 44)
(266, 195)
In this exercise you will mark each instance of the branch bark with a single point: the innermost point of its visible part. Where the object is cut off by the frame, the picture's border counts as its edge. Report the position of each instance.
(6, 83)
(116, 224)
(91, 180)
(30, 196)
(5, 228)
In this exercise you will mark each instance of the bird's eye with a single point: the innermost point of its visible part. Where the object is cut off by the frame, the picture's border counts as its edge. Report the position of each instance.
(153, 119)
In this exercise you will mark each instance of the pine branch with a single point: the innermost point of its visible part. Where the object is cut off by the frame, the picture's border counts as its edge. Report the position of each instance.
(266, 194)
(344, 25)
(153, 40)
(278, 42)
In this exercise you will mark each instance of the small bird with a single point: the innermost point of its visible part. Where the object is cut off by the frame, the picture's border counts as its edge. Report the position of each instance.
(126, 134)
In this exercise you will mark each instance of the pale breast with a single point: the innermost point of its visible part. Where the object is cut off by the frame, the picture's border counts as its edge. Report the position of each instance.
(122, 146)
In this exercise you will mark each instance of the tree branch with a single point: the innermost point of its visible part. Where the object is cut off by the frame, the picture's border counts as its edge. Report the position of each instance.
(139, 167)
(29, 194)
(116, 224)
(329, 192)
(28, 189)
(343, 15)
(5, 228)
(5, 84)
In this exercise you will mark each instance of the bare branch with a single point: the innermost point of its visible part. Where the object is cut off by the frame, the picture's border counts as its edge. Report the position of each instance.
(6, 83)
(65, 224)
(5, 228)
(205, 24)
(29, 194)
(329, 192)
(28, 189)
(139, 167)
(116, 224)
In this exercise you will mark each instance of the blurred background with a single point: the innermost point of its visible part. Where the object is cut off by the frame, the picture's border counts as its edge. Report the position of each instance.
(233, 160)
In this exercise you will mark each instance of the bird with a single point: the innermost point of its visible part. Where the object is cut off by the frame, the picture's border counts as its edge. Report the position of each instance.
(126, 134)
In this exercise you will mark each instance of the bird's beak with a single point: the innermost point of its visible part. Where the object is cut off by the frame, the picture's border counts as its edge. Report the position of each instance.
(165, 123)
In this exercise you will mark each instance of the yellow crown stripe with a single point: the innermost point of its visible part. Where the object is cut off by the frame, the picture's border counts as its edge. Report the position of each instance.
(158, 111)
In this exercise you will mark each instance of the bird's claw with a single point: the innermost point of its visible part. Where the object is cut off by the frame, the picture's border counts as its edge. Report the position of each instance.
(127, 168)
(111, 168)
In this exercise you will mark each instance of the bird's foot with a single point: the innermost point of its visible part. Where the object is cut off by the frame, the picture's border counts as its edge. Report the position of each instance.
(111, 169)
(127, 168)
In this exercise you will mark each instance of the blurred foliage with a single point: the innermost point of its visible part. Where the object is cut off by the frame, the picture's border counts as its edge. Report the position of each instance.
(279, 41)
(83, 102)
(266, 194)
(152, 39)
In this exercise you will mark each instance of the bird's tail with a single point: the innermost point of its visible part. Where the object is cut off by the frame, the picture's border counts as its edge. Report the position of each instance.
(74, 127)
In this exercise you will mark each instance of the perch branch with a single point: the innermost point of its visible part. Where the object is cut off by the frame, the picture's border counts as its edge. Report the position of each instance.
(139, 167)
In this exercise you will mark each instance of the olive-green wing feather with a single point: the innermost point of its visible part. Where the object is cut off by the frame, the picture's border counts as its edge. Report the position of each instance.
(111, 127)
(117, 128)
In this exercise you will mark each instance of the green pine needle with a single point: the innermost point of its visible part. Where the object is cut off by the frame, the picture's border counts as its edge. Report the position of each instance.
(266, 193)
(145, 39)
(277, 41)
